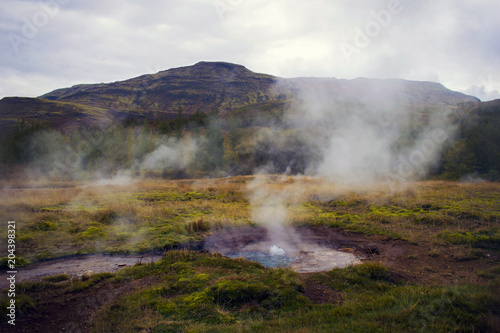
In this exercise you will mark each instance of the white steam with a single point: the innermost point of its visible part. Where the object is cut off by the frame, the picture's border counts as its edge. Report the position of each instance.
(362, 134)
(366, 133)
(268, 207)
(171, 154)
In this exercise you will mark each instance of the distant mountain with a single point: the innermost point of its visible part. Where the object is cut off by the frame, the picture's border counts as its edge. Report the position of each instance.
(207, 86)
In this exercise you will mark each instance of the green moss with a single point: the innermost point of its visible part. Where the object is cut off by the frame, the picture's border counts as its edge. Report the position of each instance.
(392, 211)
(23, 304)
(187, 281)
(234, 293)
(484, 239)
(336, 219)
(93, 233)
(230, 298)
(203, 288)
(351, 222)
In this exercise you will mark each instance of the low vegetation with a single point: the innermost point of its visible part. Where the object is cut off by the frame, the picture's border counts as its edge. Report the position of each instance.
(453, 223)
(201, 292)
(150, 215)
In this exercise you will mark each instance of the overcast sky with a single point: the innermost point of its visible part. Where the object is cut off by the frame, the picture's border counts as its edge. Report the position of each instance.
(50, 44)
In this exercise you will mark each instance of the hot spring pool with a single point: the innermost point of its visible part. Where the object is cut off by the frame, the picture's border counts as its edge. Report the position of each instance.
(264, 258)
(308, 258)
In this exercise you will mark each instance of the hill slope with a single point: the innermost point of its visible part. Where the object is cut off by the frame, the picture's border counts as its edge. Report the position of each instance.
(56, 113)
(204, 86)
(207, 86)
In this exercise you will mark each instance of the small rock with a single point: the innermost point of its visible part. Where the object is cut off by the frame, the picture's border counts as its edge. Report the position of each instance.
(346, 249)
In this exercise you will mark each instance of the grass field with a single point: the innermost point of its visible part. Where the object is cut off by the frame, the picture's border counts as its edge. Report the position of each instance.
(447, 279)
(74, 218)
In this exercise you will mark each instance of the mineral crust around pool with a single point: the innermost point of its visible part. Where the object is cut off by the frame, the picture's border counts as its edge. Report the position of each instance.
(315, 258)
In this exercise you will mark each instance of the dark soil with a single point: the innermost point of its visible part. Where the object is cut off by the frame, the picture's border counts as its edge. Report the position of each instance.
(74, 312)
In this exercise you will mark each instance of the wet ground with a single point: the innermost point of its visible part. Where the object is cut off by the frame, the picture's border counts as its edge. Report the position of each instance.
(77, 266)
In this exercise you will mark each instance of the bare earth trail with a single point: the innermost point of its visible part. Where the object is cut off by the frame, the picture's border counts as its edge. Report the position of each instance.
(76, 266)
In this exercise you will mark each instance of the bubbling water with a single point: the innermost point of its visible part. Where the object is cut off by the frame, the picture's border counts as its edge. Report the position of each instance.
(276, 251)
(264, 258)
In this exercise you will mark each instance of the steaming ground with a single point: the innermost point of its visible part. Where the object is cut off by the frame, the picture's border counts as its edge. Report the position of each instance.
(300, 250)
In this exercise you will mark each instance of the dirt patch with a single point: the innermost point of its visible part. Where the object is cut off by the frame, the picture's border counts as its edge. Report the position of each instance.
(74, 312)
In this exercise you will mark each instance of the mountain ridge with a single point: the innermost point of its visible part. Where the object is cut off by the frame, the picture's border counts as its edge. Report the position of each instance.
(207, 86)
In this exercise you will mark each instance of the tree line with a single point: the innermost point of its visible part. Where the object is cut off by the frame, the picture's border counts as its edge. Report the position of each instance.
(211, 145)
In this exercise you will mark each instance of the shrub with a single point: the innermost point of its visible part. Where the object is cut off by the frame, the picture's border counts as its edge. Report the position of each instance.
(106, 216)
(198, 225)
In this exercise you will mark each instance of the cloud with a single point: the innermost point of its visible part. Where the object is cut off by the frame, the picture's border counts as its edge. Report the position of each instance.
(91, 41)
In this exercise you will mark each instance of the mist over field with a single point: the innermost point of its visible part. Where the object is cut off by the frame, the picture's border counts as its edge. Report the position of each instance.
(356, 144)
